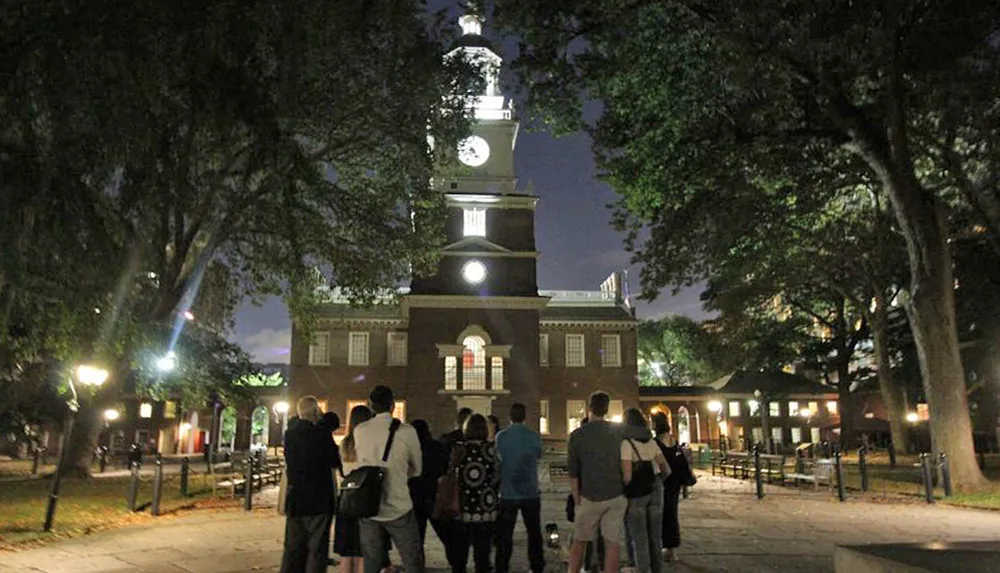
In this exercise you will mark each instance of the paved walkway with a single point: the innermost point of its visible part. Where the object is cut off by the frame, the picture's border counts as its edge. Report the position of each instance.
(725, 528)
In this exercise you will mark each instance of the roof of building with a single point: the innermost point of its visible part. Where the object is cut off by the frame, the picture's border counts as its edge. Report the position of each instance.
(472, 41)
(616, 312)
(747, 382)
(666, 391)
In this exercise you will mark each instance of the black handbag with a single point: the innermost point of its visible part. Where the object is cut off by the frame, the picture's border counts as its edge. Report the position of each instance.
(361, 490)
(643, 476)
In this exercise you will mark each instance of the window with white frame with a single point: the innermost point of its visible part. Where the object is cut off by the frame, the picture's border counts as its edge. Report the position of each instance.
(796, 435)
(319, 350)
(474, 363)
(734, 409)
(774, 409)
(793, 409)
(475, 222)
(396, 344)
(450, 373)
(170, 409)
(576, 411)
(496, 372)
(754, 407)
(543, 349)
(145, 410)
(611, 351)
(757, 434)
(575, 356)
(814, 435)
(543, 417)
(357, 349)
(616, 411)
(777, 436)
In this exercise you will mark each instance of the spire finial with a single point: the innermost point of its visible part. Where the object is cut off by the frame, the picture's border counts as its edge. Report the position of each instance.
(472, 21)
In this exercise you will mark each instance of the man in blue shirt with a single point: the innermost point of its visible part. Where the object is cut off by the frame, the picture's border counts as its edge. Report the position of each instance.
(519, 448)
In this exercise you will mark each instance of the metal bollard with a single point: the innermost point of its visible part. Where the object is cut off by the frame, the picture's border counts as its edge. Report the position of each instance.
(185, 469)
(756, 472)
(248, 485)
(157, 486)
(926, 473)
(863, 467)
(945, 474)
(133, 488)
(36, 461)
(892, 455)
(103, 459)
(838, 467)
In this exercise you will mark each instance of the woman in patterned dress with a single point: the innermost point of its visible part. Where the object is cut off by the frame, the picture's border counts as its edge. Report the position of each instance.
(475, 459)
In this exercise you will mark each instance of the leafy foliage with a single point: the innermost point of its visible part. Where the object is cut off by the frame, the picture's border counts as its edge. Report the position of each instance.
(677, 351)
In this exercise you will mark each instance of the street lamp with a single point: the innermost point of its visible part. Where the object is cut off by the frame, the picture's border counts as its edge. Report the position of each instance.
(111, 415)
(88, 375)
(912, 417)
(167, 362)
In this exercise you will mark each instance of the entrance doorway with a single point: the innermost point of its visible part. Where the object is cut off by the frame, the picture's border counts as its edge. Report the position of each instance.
(478, 404)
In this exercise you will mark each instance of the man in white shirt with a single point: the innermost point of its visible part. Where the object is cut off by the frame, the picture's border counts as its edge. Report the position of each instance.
(395, 518)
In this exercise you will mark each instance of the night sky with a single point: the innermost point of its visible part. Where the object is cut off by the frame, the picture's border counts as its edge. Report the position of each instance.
(578, 246)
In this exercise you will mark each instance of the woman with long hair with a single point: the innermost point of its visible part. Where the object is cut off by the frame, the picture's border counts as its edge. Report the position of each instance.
(643, 470)
(347, 532)
(475, 459)
(680, 471)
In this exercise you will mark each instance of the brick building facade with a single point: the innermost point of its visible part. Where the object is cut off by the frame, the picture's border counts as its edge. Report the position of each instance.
(478, 332)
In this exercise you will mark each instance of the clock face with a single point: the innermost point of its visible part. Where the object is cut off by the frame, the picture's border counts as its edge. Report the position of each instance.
(473, 151)
(474, 272)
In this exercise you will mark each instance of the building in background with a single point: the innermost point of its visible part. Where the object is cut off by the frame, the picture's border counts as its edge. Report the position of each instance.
(478, 332)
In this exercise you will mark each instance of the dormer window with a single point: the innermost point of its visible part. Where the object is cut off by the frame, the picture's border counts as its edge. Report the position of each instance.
(475, 223)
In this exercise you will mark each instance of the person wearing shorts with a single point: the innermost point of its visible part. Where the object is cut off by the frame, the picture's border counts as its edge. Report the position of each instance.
(596, 480)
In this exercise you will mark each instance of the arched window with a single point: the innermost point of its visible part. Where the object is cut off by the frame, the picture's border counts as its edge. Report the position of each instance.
(474, 363)
(260, 423)
(683, 426)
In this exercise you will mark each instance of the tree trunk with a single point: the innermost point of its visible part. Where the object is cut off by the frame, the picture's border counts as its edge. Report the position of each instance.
(931, 309)
(84, 441)
(845, 406)
(892, 393)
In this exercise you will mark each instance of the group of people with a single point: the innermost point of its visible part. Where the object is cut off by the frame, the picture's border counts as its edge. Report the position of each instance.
(623, 481)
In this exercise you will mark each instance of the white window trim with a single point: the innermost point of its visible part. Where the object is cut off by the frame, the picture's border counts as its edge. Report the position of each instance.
(583, 350)
(474, 222)
(544, 413)
(543, 349)
(313, 348)
(350, 349)
(388, 346)
(605, 362)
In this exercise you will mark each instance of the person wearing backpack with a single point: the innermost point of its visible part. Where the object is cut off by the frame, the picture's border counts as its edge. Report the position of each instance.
(388, 453)
(643, 471)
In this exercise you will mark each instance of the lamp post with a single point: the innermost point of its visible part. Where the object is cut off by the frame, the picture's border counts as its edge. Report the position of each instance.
(715, 407)
(765, 425)
(281, 408)
(87, 375)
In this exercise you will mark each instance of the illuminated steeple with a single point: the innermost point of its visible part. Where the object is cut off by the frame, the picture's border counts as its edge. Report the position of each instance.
(471, 45)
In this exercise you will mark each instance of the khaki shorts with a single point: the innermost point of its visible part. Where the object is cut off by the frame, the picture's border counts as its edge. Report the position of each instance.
(609, 515)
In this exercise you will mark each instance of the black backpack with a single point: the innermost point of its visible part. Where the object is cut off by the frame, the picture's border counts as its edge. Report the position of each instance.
(643, 476)
(361, 490)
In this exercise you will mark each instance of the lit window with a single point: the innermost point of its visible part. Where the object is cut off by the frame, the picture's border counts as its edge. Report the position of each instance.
(450, 373)
(543, 417)
(319, 350)
(399, 410)
(357, 349)
(574, 350)
(145, 410)
(611, 355)
(474, 363)
(322, 405)
(793, 409)
(923, 412)
(774, 409)
(616, 411)
(754, 407)
(397, 348)
(543, 349)
(814, 435)
(496, 374)
(813, 408)
(777, 436)
(734, 409)
(757, 434)
(169, 409)
(796, 435)
(475, 222)
(831, 407)
(576, 410)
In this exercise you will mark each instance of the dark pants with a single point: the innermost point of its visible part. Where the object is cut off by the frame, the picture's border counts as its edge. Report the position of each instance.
(443, 529)
(307, 544)
(531, 510)
(671, 523)
(478, 537)
(405, 535)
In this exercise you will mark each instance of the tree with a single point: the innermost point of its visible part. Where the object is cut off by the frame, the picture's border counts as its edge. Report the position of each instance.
(678, 351)
(700, 99)
(245, 144)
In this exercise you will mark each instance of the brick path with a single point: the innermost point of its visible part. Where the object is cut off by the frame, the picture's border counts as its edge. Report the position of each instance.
(724, 528)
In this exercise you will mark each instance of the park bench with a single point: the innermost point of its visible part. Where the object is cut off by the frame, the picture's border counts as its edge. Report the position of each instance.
(736, 464)
(266, 471)
(814, 471)
(772, 467)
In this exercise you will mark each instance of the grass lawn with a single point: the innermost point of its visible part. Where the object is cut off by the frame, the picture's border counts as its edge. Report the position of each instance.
(90, 505)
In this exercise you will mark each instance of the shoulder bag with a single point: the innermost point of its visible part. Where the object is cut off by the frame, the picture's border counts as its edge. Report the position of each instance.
(361, 490)
(643, 476)
(447, 501)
